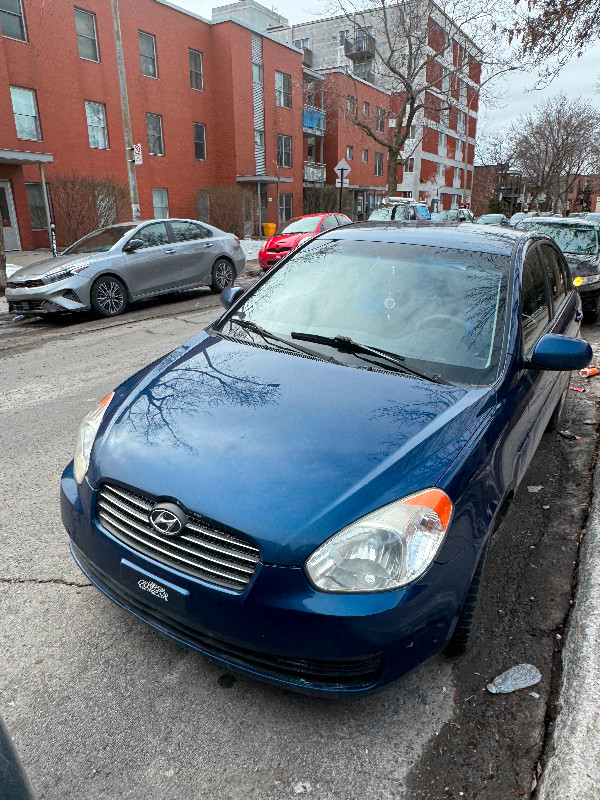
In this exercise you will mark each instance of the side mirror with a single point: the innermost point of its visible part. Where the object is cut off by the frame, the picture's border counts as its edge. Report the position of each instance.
(229, 296)
(133, 245)
(556, 352)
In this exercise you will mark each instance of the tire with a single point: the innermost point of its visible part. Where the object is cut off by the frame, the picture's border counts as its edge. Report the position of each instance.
(591, 312)
(461, 639)
(223, 275)
(108, 296)
(555, 420)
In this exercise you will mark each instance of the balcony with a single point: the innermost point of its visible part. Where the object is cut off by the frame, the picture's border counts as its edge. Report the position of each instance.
(314, 173)
(313, 120)
(307, 57)
(362, 48)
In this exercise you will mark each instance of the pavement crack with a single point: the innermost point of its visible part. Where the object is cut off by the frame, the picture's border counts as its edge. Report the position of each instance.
(44, 580)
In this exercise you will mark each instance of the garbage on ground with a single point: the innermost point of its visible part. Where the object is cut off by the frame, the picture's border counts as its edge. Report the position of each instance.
(568, 435)
(589, 421)
(546, 508)
(588, 372)
(577, 389)
(519, 677)
(535, 695)
(534, 489)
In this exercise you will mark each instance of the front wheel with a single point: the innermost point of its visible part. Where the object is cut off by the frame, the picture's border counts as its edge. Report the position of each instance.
(108, 296)
(464, 632)
(223, 275)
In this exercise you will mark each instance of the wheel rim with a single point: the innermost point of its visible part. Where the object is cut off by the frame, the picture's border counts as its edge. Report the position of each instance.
(110, 297)
(223, 274)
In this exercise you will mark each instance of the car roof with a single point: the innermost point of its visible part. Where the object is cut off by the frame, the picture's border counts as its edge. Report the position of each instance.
(499, 241)
(579, 221)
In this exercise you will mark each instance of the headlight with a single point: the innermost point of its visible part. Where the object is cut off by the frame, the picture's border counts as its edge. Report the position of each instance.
(85, 438)
(60, 273)
(387, 549)
(583, 279)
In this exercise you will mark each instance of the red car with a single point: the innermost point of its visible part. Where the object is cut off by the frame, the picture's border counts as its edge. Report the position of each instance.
(294, 231)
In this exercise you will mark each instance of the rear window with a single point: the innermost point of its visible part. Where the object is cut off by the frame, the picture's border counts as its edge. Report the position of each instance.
(570, 238)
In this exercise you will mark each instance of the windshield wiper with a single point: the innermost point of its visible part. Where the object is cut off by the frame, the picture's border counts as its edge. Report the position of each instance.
(254, 327)
(346, 345)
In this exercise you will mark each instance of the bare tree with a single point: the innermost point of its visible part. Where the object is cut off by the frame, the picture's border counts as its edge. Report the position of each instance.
(554, 145)
(230, 206)
(429, 56)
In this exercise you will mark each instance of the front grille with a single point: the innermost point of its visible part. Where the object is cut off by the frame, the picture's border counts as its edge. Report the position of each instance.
(306, 673)
(31, 284)
(212, 555)
(25, 305)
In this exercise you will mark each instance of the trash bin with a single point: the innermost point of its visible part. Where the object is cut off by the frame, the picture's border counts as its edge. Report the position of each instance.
(269, 228)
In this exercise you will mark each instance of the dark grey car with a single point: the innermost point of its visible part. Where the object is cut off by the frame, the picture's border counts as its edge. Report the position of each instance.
(114, 266)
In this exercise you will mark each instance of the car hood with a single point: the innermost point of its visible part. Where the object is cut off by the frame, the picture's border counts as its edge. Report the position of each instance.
(583, 265)
(290, 240)
(282, 448)
(46, 264)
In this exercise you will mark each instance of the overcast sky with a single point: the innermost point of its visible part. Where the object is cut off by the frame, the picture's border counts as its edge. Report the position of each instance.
(519, 95)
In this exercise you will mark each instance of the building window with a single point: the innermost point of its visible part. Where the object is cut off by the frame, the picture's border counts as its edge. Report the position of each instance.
(285, 207)
(87, 39)
(458, 155)
(284, 150)
(12, 21)
(460, 125)
(301, 44)
(349, 152)
(196, 76)
(283, 90)
(365, 156)
(148, 54)
(442, 144)
(37, 207)
(366, 109)
(351, 103)
(257, 73)
(155, 135)
(344, 36)
(26, 114)
(410, 165)
(160, 201)
(412, 133)
(96, 124)
(259, 139)
(379, 119)
(200, 141)
(379, 164)
(440, 173)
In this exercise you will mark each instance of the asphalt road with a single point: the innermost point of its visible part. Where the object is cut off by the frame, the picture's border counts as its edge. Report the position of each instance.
(102, 707)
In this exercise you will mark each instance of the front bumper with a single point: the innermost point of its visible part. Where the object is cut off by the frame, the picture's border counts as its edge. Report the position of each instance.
(66, 296)
(279, 629)
(268, 258)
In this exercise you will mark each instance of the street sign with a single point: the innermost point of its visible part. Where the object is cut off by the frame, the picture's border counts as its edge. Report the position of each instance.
(342, 184)
(137, 154)
(343, 168)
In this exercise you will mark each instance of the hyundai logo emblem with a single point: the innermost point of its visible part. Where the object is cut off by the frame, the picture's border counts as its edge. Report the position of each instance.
(168, 519)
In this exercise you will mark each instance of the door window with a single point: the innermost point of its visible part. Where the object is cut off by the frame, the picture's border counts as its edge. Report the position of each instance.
(341, 220)
(153, 235)
(556, 279)
(329, 222)
(535, 314)
(188, 231)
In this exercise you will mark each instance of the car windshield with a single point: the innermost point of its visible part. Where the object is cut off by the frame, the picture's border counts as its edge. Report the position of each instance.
(384, 212)
(589, 216)
(441, 310)
(570, 238)
(99, 241)
(444, 216)
(299, 225)
(489, 219)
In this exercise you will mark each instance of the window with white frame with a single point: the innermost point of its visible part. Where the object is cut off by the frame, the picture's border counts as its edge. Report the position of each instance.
(259, 139)
(155, 135)
(442, 144)
(160, 201)
(458, 154)
(257, 74)
(344, 36)
(301, 44)
(445, 116)
(37, 207)
(284, 150)
(95, 114)
(199, 141)
(412, 133)
(349, 152)
(366, 109)
(379, 164)
(379, 119)
(87, 37)
(365, 156)
(440, 173)
(446, 84)
(410, 165)
(460, 124)
(463, 93)
(196, 73)
(285, 207)
(12, 20)
(351, 103)
(147, 43)
(283, 90)
(25, 110)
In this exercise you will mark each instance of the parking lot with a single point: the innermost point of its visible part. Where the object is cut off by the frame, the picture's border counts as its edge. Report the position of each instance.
(101, 706)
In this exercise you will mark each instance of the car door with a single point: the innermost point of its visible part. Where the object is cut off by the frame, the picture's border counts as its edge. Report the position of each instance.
(153, 267)
(196, 249)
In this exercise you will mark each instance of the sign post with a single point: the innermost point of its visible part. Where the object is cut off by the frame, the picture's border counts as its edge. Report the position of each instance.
(342, 169)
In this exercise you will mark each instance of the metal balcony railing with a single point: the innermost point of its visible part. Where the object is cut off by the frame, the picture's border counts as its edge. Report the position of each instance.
(314, 173)
(362, 48)
(313, 120)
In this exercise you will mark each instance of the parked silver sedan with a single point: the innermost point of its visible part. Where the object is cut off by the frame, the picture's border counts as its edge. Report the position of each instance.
(115, 266)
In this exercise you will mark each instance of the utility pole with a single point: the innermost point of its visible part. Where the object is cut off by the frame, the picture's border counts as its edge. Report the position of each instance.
(133, 189)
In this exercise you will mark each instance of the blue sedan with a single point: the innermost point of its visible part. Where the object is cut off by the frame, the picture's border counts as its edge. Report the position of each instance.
(306, 490)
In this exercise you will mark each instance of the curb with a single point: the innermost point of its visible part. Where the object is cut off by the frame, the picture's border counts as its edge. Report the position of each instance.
(573, 770)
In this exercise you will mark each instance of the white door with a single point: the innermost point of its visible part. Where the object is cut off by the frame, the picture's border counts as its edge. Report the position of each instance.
(9, 218)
